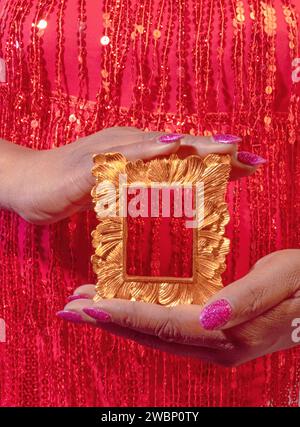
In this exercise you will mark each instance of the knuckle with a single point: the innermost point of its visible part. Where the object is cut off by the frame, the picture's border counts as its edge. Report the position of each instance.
(284, 268)
(257, 297)
(146, 137)
(167, 329)
(127, 321)
(130, 317)
(293, 280)
(293, 277)
(291, 271)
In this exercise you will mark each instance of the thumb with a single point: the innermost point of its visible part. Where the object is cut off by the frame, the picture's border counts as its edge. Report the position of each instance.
(271, 280)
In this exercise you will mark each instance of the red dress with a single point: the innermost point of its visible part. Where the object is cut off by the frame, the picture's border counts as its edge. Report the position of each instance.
(72, 67)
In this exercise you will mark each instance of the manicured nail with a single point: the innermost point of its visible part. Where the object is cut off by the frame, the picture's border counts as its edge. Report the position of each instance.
(75, 297)
(96, 313)
(227, 139)
(169, 137)
(216, 314)
(69, 316)
(250, 159)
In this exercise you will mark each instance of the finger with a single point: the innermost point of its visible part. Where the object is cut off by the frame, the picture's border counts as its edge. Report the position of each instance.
(204, 145)
(274, 330)
(84, 291)
(150, 324)
(73, 311)
(243, 164)
(174, 324)
(206, 354)
(272, 280)
(108, 139)
(150, 147)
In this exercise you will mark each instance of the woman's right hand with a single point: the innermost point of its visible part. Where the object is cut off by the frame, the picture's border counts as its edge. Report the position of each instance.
(49, 185)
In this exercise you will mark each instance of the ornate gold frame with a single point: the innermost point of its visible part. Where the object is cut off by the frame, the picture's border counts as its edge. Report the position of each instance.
(156, 279)
(210, 245)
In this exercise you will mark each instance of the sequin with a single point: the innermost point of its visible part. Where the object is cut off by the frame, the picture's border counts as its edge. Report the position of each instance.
(34, 124)
(240, 18)
(72, 118)
(42, 24)
(156, 34)
(82, 26)
(105, 40)
(139, 28)
(269, 90)
(220, 88)
(104, 73)
(107, 24)
(267, 120)
(2, 70)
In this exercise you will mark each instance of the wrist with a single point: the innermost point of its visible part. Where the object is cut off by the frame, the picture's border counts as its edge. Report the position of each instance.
(13, 167)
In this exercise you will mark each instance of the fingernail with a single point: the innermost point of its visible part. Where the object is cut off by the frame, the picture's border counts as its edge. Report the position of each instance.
(75, 297)
(250, 159)
(169, 137)
(69, 316)
(227, 139)
(216, 314)
(96, 313)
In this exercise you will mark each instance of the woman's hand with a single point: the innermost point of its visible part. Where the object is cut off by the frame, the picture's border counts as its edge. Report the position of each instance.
(251, 317)
(47, 186)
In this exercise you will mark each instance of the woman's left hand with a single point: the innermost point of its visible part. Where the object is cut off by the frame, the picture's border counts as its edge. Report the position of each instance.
(254, 316)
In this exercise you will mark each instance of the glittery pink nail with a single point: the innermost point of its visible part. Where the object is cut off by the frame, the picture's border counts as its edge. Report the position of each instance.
(250, 158)
(170, 137)
(100, 315)
(70, 316)
(227, 139)
(76, 297)
(216, 314)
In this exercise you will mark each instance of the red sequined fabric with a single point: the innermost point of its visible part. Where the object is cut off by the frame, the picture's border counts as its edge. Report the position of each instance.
(159, 243)
(73, 67)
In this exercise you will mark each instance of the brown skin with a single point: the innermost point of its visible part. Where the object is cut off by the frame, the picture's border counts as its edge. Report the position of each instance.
(46, 186)
(49, 185)
(264, 302)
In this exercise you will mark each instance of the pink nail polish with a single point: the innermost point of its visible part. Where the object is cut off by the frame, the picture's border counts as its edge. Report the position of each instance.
(69, 316)
(250, 159)
(227, 139)
(75, 297)
(169, 137)
(216, 314)
(100, 315)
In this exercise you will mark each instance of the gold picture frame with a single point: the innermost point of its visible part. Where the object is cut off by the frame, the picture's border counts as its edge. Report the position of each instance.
(210, 246)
